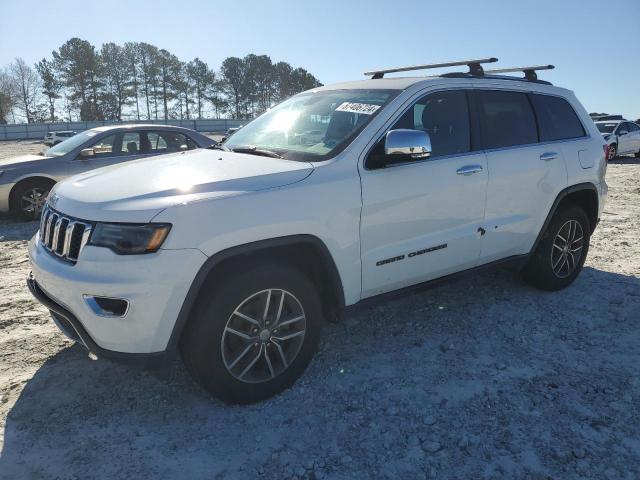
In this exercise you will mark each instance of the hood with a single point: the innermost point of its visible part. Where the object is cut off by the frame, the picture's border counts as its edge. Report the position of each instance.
(139, 190)
(22, 160)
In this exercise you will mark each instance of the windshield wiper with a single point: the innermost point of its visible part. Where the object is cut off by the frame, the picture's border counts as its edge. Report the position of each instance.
(253, 150)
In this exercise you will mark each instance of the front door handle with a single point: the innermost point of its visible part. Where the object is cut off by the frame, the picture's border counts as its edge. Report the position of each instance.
(548, 156)
(469, 169)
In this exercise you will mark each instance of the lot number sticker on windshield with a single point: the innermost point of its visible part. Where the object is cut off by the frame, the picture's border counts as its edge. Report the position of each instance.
(364, 108)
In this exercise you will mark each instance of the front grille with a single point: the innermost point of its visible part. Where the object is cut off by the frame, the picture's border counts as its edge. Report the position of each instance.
(63, 236)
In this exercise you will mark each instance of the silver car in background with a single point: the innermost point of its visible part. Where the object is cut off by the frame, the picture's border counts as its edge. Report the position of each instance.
(25, 181)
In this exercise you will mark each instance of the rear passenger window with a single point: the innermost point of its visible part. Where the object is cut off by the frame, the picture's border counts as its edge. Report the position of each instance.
(556, 118)
(506, 119)
(168, 141)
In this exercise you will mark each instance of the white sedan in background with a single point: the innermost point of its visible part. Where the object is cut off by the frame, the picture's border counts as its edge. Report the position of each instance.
(622, 137)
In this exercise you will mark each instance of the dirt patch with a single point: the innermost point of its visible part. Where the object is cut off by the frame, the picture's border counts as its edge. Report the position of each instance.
(482, 377)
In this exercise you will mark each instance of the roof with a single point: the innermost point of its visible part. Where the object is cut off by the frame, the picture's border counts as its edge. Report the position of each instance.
(390, 83)
(402, 83)
(135, 125)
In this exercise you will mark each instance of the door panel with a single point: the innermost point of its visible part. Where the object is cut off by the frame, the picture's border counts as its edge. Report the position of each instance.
(420, 221)
(522, 187)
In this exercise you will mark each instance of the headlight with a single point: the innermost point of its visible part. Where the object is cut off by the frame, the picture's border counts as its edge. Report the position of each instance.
(130, 238)
(607, 137)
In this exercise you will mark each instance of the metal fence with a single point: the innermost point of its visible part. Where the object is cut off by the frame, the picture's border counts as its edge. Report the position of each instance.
(25, 131)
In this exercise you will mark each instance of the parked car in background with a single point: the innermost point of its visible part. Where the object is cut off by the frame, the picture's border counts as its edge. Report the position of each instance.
(25, 181)
(239, 261)
(54, 138)
(622, 137)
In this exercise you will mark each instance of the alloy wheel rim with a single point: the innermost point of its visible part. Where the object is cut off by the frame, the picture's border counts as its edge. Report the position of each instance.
(263, 336)
(566, 252)
(33, 201)
(612, 152)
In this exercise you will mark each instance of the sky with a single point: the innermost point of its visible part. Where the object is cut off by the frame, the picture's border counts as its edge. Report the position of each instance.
(592, 43)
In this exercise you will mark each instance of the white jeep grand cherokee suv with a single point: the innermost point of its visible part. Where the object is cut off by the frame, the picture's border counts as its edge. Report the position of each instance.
(236, 256)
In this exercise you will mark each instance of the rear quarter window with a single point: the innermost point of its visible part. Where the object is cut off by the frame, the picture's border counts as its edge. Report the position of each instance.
(556, 118)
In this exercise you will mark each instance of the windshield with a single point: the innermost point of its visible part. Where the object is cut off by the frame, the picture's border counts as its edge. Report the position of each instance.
(69, 144)
(312, 126)
(606, 127)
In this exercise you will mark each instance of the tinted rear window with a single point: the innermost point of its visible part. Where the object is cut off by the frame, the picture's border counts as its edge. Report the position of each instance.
(556, 118)
(506, 119)
(606, 127)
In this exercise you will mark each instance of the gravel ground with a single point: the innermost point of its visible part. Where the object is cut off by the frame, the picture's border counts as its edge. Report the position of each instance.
(481, 377)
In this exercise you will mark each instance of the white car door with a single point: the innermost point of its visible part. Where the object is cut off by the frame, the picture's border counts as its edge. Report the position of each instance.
(625, 139)
(525, 176)
(420, 219)
(634, 134)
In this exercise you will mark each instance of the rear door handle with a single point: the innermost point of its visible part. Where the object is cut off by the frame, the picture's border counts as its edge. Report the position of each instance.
(469, 169)
(548, 156)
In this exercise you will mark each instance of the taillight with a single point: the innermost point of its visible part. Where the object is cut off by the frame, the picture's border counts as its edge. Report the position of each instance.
(606, 152)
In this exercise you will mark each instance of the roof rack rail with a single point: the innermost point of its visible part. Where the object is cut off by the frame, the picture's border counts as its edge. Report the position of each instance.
(529, 72)
(475, 67)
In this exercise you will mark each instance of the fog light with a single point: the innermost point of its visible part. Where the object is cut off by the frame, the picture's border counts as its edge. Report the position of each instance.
(107, 306)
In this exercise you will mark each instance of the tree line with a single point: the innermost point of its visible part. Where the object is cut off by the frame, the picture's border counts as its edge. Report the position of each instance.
(139, 81)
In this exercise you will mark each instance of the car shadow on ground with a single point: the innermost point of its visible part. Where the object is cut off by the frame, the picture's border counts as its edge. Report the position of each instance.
(12, 229)
(81, 417)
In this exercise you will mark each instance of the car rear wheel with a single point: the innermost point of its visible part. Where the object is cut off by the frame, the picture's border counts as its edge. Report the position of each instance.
(562, 251)
(255, 334)
(29, 197)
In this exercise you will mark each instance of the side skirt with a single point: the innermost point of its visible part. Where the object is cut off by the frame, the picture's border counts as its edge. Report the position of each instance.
(515, 261)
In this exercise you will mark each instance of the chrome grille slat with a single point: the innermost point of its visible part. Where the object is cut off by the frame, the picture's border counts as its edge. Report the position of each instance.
(48, 229)
(56, 234)
(63, 236)
(67, 238)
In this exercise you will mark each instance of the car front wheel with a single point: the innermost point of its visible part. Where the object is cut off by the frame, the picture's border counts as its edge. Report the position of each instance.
(28, 199)
(613, 152)
(255, 334)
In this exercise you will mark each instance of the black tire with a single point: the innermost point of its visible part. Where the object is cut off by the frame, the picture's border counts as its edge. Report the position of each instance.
(28, 188)
(539, 270)
(202, 342)
(638, 154)
(613, 152)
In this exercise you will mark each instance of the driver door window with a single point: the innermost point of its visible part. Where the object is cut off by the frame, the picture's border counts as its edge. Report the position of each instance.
(104, 147)
(444, 116)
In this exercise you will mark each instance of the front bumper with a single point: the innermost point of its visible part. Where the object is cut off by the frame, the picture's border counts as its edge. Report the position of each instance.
(73, 329)
(154, 284)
